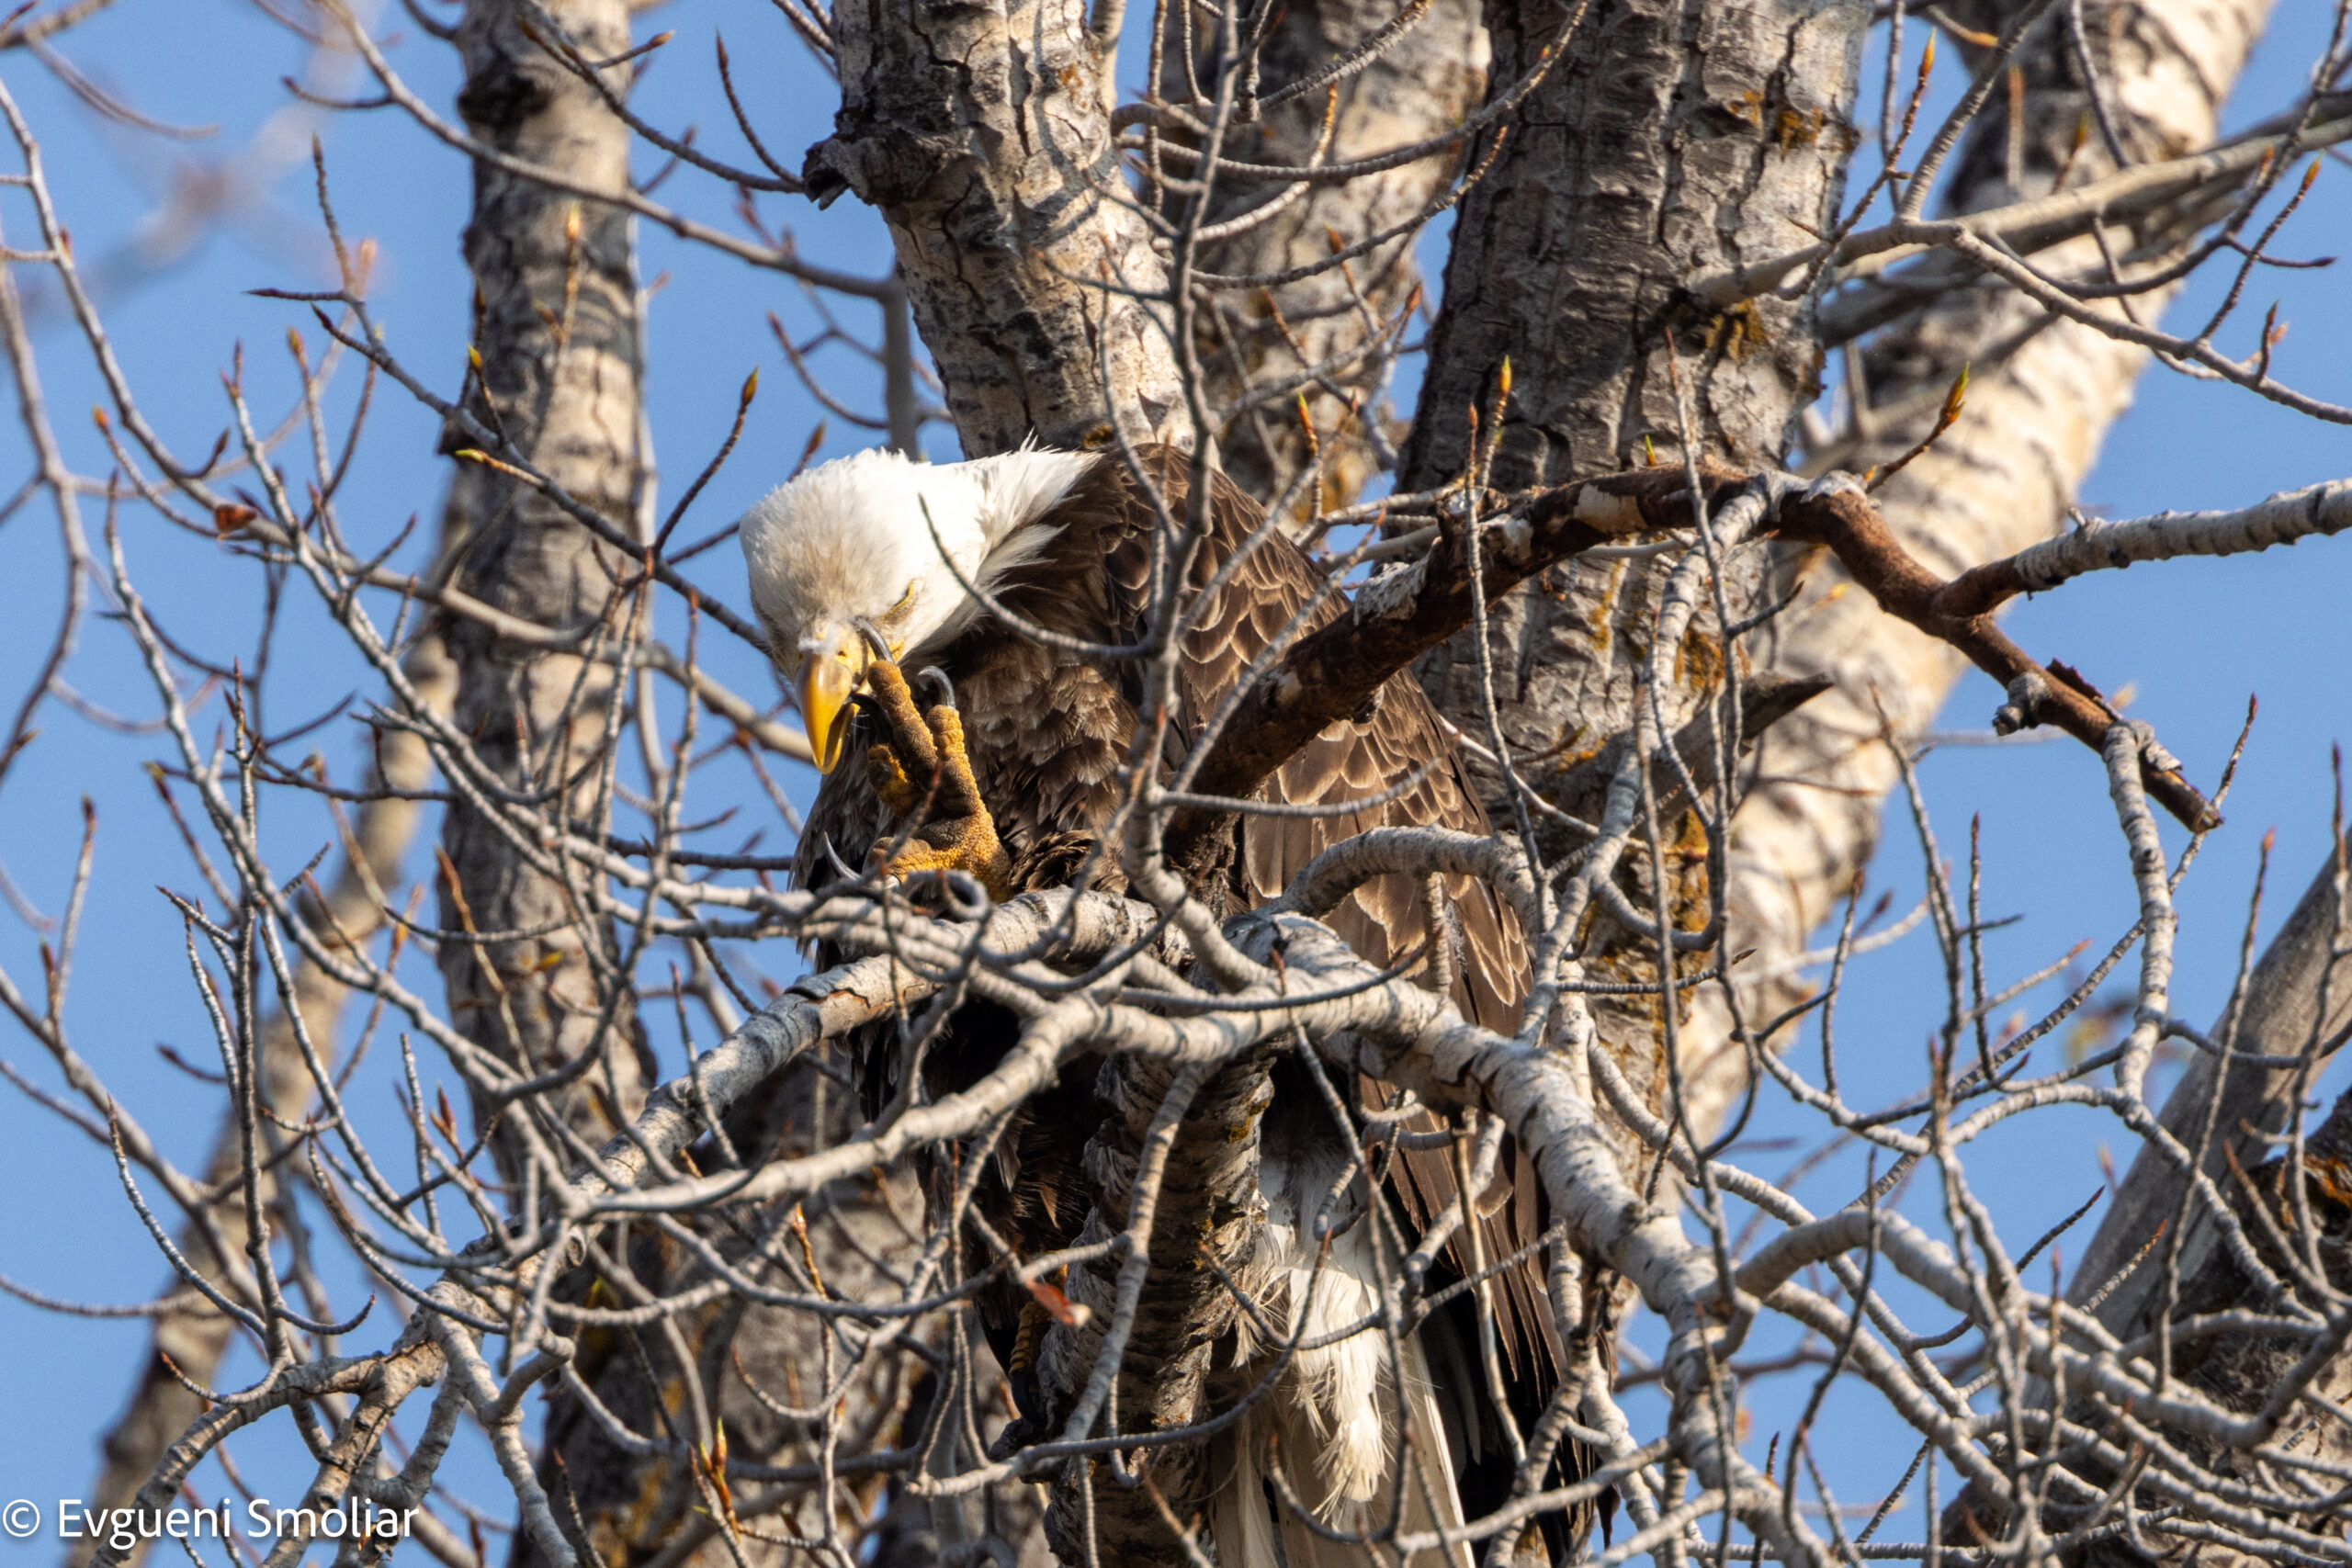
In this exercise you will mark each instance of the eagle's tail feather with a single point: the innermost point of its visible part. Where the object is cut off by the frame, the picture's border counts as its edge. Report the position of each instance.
(1333, 1418)
(1253, 1529)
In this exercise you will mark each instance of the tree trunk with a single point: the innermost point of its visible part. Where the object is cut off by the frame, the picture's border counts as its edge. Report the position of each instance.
(557, 336)
(2042, 397)
(1668, 138)
(983, 135)
(995, 244)
(1255, 342)
(558, 339)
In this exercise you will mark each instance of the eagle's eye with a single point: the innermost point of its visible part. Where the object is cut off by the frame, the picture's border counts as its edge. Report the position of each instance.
(784, 648)
(898, 612)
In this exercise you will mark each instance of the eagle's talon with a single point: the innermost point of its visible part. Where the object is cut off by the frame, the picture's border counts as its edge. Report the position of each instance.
(924, 768)
(875, 641)
(907, 735)
(890, 781)
(840, 868)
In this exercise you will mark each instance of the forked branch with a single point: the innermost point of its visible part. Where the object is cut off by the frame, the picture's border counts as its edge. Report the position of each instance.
(1337, 672)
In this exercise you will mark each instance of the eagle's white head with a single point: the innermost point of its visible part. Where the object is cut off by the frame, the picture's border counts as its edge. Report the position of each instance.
(860, 541)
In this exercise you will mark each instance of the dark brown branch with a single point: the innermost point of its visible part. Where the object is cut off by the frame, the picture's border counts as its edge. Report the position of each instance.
(1960, 613)
(1335, 671)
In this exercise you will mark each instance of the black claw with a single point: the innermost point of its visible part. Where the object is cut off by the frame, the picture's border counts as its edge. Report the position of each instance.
(875, 640)
(1022, 1432)
(840, 869)
(931, 674)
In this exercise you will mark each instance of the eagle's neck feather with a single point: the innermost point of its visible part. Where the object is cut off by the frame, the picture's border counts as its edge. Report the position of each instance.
(1014, 491)
(1019, 487)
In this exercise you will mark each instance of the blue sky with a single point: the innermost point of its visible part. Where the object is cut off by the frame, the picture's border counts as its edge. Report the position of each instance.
(2193, 640)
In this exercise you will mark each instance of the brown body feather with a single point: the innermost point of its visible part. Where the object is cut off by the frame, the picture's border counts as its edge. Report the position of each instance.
(1050, 733)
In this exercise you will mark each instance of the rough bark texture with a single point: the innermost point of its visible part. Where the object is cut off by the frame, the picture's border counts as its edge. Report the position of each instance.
(981, 167)
(2042, 397)
(1670, 138)
(563, 386)
(161, 1405)
(1257, 339)
(1207, 1216)
(983, 134)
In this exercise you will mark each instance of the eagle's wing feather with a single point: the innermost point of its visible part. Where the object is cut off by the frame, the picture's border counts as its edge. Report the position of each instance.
(1388, 918)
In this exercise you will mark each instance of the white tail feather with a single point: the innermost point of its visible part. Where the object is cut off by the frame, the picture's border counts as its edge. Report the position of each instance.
(1333, 1416)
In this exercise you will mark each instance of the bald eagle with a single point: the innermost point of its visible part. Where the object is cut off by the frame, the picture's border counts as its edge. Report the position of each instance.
(875, 555)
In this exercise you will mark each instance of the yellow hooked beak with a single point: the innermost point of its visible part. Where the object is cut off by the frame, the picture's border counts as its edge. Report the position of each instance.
(829, 679)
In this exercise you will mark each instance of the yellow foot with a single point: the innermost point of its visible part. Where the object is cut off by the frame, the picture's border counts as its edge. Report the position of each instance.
(924, 775)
